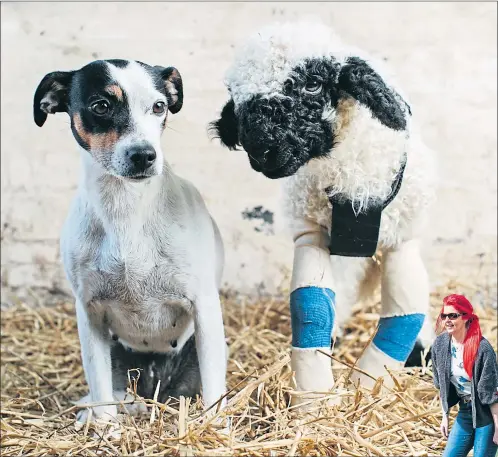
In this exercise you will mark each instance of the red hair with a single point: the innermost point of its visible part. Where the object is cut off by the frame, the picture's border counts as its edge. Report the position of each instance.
(474, 334)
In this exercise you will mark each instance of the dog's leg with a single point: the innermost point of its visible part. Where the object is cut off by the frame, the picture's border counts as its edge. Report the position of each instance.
(96, 356)
(312, 304)
(220, 253)
(211, 347)
(404, 303)
(133, 409)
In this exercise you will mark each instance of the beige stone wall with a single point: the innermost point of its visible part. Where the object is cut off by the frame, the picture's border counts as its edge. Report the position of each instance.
(444, 54)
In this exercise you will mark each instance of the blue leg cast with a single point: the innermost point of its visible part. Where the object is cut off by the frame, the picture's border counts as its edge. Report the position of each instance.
(397, 335)
(312, 317)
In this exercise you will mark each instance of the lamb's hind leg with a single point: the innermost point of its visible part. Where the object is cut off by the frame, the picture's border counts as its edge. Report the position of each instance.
(404, 305)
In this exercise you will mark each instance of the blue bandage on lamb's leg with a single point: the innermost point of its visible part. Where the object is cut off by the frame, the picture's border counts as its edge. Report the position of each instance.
(312, 317)
(397, 335)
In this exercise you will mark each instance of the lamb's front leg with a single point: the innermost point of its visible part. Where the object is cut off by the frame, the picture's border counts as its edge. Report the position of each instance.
(404, 305)
(312, 304)
(211, 347)
(96, 356)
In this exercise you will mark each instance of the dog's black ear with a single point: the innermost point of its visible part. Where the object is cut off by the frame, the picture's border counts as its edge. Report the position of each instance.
(52, 95)
(173, 85)
(361, 82)
(226, 127)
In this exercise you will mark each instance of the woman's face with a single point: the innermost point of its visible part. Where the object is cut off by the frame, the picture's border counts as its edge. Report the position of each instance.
(453, 326)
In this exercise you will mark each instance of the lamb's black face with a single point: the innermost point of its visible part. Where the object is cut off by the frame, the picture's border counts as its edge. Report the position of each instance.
(282, 132)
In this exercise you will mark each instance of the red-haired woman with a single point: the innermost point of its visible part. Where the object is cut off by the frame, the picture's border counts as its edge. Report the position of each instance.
(466, 372)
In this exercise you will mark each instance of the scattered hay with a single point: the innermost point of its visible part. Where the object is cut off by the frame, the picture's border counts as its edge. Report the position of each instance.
(42, 374)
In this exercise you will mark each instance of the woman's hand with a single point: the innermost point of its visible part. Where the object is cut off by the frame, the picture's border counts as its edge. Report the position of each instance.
(444, 427)
(495, 436)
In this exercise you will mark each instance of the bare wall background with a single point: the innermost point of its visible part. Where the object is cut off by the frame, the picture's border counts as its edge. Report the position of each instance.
(443, 53)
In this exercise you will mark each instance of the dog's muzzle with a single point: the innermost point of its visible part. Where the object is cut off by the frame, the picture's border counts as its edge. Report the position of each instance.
(140, 158)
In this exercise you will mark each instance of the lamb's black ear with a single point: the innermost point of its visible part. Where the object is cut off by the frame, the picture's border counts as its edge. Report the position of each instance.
(173, 85)
(226, 127)
(361, 82)
(52, 95)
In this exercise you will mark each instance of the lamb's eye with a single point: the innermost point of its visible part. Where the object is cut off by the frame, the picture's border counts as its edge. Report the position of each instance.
(159, 108)
(313, 87)
(101, 107)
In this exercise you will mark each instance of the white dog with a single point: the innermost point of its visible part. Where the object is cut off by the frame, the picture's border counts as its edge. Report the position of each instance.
(140, 250)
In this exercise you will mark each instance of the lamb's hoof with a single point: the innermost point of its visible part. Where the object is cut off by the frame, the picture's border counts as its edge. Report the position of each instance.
(309, 401)
(415, 357)
(382, 383)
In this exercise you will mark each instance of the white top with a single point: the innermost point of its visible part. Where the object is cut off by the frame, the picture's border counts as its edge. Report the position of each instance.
(458, 375)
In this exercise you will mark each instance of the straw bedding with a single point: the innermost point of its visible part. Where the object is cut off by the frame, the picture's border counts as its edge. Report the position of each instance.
(42, 374)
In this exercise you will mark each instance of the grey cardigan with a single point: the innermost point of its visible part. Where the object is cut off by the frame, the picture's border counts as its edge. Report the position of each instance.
(484, 382)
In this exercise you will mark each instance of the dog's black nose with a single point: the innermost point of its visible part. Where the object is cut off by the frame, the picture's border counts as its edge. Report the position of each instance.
(141, 156)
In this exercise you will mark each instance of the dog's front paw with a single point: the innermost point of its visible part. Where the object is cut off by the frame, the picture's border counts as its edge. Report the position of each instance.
(110, 429)
(136, 408)
(106, 425)
(82, 414)
(81, 418)
(102, 418)
(225, 424)
(103, 413)
(218, 418)
(221, 422)
(214, 406)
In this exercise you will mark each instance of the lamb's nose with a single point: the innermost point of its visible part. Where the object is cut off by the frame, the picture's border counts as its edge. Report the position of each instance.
(261, 160)
(258, 153)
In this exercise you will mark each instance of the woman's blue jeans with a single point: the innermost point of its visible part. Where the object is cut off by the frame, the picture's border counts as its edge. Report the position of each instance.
(463, 436)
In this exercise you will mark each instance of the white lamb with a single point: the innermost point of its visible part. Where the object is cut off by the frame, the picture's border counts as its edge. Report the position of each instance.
(306, 107)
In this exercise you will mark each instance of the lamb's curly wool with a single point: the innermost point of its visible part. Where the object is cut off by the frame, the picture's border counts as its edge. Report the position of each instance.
(363, 164)
(362, 152)
(263, 63)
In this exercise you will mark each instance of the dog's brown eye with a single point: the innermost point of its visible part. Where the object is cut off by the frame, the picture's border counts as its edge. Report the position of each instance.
(159, 107)
(100, 107)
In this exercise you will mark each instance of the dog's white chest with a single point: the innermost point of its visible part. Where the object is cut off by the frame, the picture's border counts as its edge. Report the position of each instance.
(136, 289)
